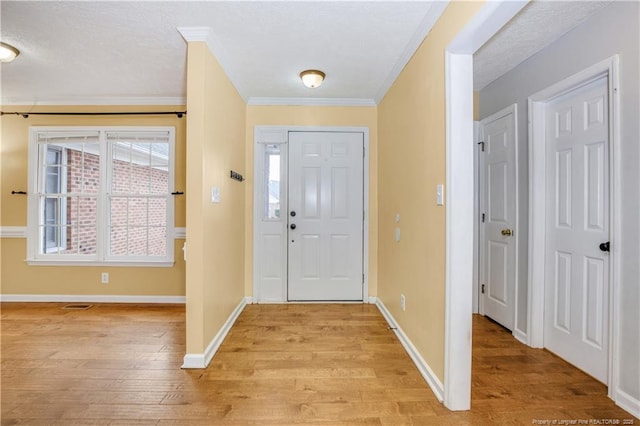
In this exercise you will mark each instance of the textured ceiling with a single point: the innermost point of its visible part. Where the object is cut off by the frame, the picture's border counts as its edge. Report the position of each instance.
(537, 25)
(128, 52)
(86, 50)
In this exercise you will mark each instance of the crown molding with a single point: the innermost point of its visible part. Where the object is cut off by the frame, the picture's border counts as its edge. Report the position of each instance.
(429, 20)
(312, 102)
(97, 100)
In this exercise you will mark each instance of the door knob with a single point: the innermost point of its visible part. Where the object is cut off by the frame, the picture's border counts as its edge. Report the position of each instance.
(293, 213)
(507, 232)
(604, 246)
(292, 226)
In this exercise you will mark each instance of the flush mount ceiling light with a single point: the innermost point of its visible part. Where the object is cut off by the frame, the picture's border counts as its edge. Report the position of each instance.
(7, 52)
(312, 78)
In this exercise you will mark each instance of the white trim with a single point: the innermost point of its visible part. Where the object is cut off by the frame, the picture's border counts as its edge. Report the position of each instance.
(423, 367)
(537, 208)
(203, 359)
(88, 100)
(352, 102)
(109, 263)
(101, 256)
(459, 200)
(91, 298)
(628, 403)
(275, 134)
(520, 335)
(372, 300)
(180, 233)
(477, 224)
(459, 238)
(13, 232)
(425, 26)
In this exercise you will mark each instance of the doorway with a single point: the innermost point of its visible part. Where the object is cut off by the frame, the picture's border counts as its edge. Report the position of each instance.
(310, 222)
(498, 216)
(573, 219)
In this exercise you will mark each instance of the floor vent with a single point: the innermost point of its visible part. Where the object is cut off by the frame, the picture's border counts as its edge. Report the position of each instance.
(77, 307)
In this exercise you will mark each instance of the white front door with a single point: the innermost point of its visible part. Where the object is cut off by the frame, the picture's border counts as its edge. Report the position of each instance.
(577, 270)
(498, 210)
(325, 217)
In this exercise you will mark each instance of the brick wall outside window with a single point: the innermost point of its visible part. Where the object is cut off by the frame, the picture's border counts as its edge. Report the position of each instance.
(135, 221)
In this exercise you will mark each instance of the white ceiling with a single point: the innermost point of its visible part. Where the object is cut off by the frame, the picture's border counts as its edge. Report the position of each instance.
(537, 25)
(85, 52)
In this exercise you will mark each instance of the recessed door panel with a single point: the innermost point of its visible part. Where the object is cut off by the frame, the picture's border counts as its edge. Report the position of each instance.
(310, 248)
(340, 193)
(562, 288)
(498, 271)
(563, 188)
(594, 186)
(312, 192)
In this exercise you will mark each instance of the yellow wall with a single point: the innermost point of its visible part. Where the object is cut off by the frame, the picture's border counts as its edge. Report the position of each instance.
(19, 278)
(314, 116)
(216, 234)
(411, 152)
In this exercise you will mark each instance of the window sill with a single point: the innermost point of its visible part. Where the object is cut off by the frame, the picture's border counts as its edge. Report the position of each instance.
(133, 264)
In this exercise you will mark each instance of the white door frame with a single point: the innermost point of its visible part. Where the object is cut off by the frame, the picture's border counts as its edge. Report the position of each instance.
(537, 202)
(280, 134)
(511, 109)
(459, 195)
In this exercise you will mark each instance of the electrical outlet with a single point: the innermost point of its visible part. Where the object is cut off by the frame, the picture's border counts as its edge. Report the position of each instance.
(402, 302)
(104, 278)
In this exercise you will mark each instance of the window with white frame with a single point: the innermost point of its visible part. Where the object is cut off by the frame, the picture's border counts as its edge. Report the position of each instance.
(101, 195)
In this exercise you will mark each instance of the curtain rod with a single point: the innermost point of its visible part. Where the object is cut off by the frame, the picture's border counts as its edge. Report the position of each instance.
(178, 114)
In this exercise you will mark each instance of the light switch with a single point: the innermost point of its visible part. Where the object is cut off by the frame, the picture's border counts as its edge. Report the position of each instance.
(215, 194)
(397, 234)
(440, 194)
(397, 217)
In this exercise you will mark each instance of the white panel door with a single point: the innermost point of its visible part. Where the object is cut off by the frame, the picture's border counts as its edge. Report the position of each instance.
(498, 201)
(577, 270)
(325, 216)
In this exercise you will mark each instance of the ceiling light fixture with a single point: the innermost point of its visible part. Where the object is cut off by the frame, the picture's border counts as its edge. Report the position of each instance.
(312, 78)
(7, 52)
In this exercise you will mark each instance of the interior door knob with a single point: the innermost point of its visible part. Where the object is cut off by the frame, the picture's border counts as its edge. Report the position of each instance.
(507, 232)
(604, 246)
(292, 226)
(293, 213)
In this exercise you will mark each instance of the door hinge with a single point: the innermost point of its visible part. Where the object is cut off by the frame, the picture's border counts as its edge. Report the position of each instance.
(362, 278)
(482, 217)
(363, 152)
(481, 146)
(482, 289)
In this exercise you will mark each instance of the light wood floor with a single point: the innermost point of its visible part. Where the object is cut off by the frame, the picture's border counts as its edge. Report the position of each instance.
(280, 365)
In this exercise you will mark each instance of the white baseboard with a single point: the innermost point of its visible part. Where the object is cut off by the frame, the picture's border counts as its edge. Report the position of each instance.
(203, 359)
(627, 403)
(427, 373)
(90, 298)
(372, 300)
(520, 336)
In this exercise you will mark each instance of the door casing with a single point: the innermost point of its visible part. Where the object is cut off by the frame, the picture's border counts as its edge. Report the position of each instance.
(279, 135)
(537, 203)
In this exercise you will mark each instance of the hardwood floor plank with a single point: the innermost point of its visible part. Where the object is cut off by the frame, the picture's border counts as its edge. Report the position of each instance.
(298, 364)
